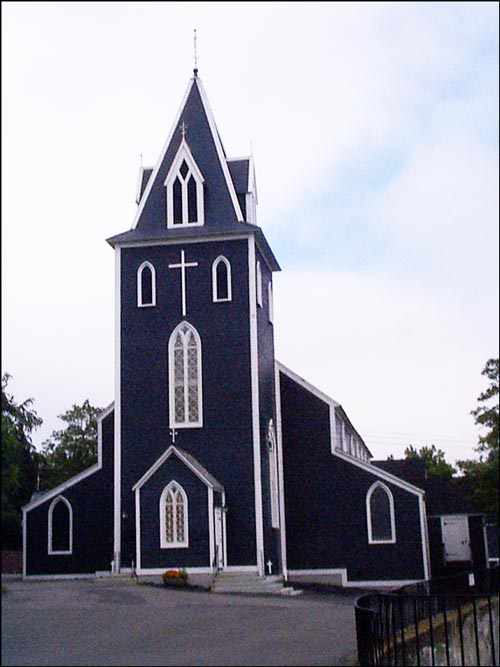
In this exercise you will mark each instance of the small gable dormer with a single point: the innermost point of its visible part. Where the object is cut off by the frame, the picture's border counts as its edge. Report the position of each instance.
(184, 190)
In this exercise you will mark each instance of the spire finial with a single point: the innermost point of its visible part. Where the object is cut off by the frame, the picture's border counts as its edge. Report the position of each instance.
(195, 56)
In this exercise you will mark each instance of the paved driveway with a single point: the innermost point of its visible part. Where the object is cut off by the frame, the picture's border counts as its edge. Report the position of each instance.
(118, 622)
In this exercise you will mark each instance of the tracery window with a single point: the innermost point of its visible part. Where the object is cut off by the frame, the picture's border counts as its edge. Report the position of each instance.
(60, 527)
(173, 517)
(146, 285)
(184, 190)
(185, 378)
(221, 280)
(380, 515)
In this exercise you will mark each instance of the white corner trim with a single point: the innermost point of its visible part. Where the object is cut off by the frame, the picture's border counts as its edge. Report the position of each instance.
(426, 556)
(138, 529)
(254, 364)
(117, 452)
(281, 475)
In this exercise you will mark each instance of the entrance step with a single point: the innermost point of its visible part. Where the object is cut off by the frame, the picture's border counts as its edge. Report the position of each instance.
(238, 582)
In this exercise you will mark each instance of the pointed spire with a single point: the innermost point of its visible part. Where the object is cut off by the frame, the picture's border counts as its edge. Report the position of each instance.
(195, 71)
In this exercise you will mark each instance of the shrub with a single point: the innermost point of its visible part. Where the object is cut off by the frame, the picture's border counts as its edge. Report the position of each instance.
(175, 577)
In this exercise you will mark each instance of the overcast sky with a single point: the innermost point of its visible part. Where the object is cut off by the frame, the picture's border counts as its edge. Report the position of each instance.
(374, 128)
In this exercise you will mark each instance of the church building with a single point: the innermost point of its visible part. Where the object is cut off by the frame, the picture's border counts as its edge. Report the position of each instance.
(213, 456)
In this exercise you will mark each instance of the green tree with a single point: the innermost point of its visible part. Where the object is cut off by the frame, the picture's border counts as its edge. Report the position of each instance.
(20, 462)
(484, 473)
(435, 465)
(69, 451)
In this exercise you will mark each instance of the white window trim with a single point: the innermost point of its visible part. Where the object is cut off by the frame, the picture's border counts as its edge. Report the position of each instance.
(140, 302)
(215, 265)
(50, 549)
(273, 475)
(163, 520)
(171, 387)
(258, 277)
(184, 153)
(270, 302)
(380, 485)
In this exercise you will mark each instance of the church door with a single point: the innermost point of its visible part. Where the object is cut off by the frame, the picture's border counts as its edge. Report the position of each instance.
(455, 531)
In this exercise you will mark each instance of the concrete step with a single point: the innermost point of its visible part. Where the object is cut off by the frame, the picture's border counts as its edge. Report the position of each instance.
(229, 582)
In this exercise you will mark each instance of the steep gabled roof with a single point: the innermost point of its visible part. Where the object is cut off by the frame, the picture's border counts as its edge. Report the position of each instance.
(226, 183)
(195, 121)
(195, 466)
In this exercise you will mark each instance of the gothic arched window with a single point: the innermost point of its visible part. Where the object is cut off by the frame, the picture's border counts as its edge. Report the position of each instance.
(185, 386)
(173, 517)
(146, 285)
(221, 280)
(184, 190)
(380, 514)
(60, 527)
(258, 276)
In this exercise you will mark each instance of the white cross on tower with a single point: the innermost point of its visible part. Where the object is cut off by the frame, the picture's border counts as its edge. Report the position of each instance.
(182, 266)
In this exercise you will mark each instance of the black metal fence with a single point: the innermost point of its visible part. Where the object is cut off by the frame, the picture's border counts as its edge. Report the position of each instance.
(451, 621)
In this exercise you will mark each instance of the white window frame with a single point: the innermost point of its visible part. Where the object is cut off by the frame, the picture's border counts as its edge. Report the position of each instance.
(270, 302)
(184, 154)
(339, 432)
(258, 277)
(388, 492)
(273, 475)
(171, 364)
(50, 549)
(215, 265)
(176, 544)
(140, 301)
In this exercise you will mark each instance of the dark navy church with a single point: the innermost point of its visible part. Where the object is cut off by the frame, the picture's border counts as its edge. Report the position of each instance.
(213, 456)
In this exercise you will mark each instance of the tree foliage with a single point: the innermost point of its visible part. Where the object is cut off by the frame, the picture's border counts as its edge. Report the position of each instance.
(435, 465)
(484, 473)
(71, 450)
(20, 462)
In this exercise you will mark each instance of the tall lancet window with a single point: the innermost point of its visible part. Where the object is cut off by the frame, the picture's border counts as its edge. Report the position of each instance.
(185, 390)
(258, 278)
(221, 280)
(380, 515)
(173, 517)
(273, 475)
(146, 285)
(184, 190)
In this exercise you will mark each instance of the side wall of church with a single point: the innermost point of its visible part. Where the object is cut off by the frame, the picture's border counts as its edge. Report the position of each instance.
(325, 496)
(91, 501)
